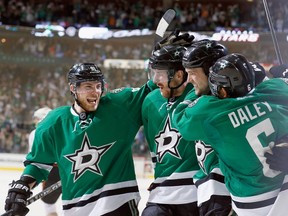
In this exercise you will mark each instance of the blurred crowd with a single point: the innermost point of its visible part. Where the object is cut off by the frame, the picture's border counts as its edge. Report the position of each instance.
(33, 70)
(31, 77)
(25, 89)
(27, 85)
(124, 14)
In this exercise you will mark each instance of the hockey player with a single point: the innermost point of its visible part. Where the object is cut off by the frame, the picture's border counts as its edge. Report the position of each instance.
(213, 196)
(172, 192)
(53, 177)
(91, 143)
(241, 126)
(277, 160)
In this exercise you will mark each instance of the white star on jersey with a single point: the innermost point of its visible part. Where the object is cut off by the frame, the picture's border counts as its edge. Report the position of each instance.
(87, 158)
(167, 141)
(202, 151)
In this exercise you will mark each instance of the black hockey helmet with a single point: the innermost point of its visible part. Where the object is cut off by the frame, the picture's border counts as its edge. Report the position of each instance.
(203, 53)
(84, 72)
(234, 73)
(168, 58)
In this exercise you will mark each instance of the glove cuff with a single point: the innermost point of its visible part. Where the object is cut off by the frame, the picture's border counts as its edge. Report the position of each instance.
(21, 187)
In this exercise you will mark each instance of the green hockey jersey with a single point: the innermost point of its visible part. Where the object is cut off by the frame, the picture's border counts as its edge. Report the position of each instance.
(241, 130)
(94, 156)
(209, 180)
(173, 157)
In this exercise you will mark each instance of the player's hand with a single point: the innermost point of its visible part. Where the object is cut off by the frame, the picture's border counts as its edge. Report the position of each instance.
(175, 39)
(278, 160)
(17, 197)
(279, 71)
(216, 206)
(259, 71)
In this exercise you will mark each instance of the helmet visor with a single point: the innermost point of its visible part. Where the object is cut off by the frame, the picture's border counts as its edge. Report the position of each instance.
(158, 75)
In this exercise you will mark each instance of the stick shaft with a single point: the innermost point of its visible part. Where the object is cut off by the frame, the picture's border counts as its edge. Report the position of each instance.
(44, 193)
(39, 195)
(274, 38)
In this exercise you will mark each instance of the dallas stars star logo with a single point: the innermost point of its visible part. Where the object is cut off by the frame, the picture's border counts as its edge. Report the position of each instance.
(202, 151)
(87, 158)
(177, 53)
(223, 64)
(209, 45)
(167, 141)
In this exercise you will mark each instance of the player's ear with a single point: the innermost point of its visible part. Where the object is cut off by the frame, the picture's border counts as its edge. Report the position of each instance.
(222, 93)
(72, 89)
(180, 74)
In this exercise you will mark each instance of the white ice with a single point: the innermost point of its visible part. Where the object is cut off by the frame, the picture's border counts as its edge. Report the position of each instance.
(36, 208)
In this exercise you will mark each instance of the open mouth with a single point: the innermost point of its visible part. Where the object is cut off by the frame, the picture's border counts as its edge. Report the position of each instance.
(92, 101)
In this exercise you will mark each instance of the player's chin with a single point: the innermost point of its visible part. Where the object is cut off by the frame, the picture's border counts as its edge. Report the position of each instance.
(165, 94)
(198, 92)
(90, 107)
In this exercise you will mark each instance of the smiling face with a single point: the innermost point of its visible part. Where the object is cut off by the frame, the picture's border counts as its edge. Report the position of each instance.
(197, 77)
(88, 95)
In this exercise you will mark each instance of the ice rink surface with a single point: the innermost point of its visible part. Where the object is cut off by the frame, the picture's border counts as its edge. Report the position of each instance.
(36, 208)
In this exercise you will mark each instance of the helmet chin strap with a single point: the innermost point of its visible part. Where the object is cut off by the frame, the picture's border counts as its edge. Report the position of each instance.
(82, 115)
(183, 81)
(173, 88)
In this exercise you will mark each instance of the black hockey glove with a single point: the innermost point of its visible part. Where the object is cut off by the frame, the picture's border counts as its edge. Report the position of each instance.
(279, 71)
(175, 39)
(278, 160)
(259, 71)
(17, 196)
(216, 206)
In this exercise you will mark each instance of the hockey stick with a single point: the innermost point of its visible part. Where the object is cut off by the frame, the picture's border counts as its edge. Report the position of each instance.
(275, 42)
(44, 193)
(41, 194)
(163, 24)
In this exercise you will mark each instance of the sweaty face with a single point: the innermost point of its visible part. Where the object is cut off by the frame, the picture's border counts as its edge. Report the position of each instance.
(88, 95)
(197, 77)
